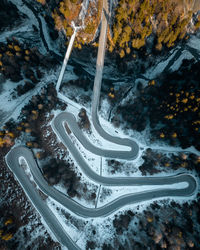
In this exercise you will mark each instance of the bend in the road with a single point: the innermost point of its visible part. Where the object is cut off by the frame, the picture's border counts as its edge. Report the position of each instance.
(133, 153)
(20, 151)
(12, 161)
(69, 118)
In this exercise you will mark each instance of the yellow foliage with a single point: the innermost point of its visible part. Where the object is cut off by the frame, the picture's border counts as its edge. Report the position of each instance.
(183, 165)
(8, 53)
(174, 135)
(40, 106)
(11, 134)
(57, 20)
(38, 155)
(169, 117)
(149, 219)
(7, 236)
(185, 100)
(196, 122)
(35, 112)
(90, 28)
(10, 46)
(192, 97)
(69, 31)
(122, 53)
(9, 221)
(17, 48)
(128, 50)
(27, 52)
(159, 46)
(29, 144)
(152, 83)
(138, 43)
(43, 2)
(162, 135)
(2, 142)
(28, 130)
(111, 95)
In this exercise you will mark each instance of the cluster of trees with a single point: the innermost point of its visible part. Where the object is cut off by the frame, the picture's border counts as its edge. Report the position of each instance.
(7, 138)
(155, 162)
(166, 226)
(9, 15)
(65, 13)
(8, 224)
(7, 228)
(18, 62)
(68, 11)
(136, 20)
(171, 106)
(33, 118)
(58, 171)
(33, 114)
(179, 102)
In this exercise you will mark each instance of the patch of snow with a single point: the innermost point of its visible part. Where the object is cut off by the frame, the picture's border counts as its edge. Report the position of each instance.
(23, 28)
(194, 42)
(68, 227)
(117, 192)
(185, 55)
(159, 68)
(12, 107)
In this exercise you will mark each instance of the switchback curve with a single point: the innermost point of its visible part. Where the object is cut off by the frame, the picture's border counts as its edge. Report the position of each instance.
(12, 160)
(133, 153)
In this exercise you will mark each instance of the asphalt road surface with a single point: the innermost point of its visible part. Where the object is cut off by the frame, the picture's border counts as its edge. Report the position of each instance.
(69, 118)
(134, 148)
(12, 160)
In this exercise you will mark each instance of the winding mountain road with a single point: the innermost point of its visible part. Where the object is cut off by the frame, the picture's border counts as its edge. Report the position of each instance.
(12, 159)
(58, 125)
(69, 118)
(133, 153)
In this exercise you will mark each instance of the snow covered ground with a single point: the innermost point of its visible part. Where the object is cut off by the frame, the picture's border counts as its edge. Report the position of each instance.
(194, 42)
(11, 107)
